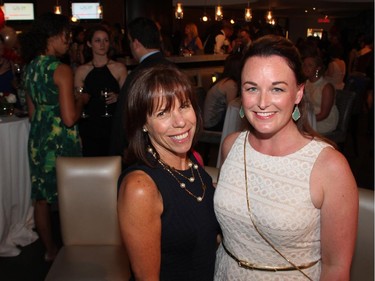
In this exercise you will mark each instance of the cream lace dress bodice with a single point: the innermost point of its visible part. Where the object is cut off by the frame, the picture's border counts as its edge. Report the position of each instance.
(279, 194)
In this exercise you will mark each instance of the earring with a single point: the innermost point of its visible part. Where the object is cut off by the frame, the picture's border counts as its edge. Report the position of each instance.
(241, 112)
(144, 130)
(296, 113)
(317, 73)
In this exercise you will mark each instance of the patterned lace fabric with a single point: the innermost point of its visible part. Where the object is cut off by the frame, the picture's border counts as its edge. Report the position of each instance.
(279, 194)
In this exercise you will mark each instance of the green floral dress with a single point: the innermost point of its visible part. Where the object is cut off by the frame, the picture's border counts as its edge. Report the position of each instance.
(49, 137)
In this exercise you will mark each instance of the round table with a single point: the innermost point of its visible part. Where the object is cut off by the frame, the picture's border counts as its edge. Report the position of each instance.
(16, 212)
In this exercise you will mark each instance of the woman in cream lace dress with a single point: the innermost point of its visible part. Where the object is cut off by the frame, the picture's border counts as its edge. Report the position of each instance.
(286, 200)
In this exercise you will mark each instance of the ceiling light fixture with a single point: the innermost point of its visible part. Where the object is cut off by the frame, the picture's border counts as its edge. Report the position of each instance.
(248, 15)
(179, 13)
(205, 18)
(57, 9)
(218, 13)
(100, 11)
(269, 16)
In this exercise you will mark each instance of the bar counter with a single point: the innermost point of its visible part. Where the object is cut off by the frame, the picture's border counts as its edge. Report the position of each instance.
(200, 68)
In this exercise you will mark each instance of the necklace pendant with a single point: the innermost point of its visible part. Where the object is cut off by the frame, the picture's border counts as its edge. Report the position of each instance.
(199, 199)
(191, 179)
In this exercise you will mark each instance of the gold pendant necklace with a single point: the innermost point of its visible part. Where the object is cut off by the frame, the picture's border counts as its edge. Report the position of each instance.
(191, 179)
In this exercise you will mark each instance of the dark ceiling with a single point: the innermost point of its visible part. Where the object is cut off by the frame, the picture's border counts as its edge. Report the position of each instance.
(280, 8)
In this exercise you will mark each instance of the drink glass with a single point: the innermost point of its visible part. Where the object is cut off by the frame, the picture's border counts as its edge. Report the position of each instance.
(104, 93)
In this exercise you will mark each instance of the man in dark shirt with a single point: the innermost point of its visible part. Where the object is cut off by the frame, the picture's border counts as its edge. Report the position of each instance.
(145, 44)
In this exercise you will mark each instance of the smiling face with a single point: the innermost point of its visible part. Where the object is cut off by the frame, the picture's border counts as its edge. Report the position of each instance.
(171, 131)
(269, 93)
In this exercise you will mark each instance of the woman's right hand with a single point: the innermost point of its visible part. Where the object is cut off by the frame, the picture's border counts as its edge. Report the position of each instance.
(80, 94)
(85, 98)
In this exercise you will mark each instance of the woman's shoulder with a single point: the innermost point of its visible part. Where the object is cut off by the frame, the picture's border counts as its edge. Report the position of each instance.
(137, 180)
(328, 86)
(227, 85)
(138, 187)
(86, 67)
(228, 82)
(116, 67)
(83, 70)
(229, 142)
(51, 62)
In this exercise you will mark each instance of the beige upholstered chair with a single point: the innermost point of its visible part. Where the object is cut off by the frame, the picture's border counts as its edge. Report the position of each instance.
(213, 172)
(92, 248)
(363, 261)
(345, 104)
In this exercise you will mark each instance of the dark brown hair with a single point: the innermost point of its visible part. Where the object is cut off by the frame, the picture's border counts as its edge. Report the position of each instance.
(275, 45)
(143, 97)
(34, 42)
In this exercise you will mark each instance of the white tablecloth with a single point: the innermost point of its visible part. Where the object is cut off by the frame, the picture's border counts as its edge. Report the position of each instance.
(16, 212)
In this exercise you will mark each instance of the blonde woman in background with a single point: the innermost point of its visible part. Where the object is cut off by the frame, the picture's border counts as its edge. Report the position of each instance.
(191, 44)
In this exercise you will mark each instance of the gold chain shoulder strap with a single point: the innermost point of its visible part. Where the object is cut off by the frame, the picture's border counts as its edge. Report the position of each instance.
(253, 220)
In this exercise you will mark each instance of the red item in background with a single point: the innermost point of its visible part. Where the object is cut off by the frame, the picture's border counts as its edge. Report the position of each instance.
(11, 55)
(2, 18)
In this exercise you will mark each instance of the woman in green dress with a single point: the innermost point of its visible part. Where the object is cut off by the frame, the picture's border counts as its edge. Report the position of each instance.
(53, 111)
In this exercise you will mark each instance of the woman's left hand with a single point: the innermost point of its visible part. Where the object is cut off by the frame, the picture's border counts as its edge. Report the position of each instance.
(112, 98)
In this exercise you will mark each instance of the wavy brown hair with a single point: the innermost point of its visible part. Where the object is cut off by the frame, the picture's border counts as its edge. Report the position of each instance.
(275, 45)
(144, 94)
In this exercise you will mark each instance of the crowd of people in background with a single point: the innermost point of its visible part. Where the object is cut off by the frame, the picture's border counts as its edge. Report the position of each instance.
(87, 97)
(345, 65)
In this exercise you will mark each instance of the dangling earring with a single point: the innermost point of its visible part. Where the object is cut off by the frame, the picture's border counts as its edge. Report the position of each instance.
(144, 130)
(241, 112)
(296, 113)
(317, 73)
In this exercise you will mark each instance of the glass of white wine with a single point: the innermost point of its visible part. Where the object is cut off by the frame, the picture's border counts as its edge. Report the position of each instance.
(104, 93)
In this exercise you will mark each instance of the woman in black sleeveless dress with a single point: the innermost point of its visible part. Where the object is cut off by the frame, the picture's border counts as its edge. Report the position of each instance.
(98, 76)
(165, 203)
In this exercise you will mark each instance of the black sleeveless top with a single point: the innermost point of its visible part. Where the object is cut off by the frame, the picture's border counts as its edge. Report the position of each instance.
(95, 130)
(189, 228)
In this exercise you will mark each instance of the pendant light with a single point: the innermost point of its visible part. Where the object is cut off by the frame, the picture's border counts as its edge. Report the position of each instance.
(179, 13)
(248, 15)
(100, 11)
(205, 17)
(57, 9)
(269, 16)
(218, 13)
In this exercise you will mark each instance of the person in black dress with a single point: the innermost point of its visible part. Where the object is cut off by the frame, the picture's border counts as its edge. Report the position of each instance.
(165, 201)
(99, 74)
(144, 40)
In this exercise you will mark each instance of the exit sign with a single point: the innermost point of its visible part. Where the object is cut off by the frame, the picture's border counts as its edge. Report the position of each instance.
(324, 20)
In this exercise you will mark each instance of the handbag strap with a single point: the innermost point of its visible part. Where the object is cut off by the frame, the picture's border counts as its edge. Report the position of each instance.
(253, 219)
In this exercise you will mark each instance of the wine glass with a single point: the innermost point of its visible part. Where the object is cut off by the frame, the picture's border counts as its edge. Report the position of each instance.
(79, 91)
(104, 93)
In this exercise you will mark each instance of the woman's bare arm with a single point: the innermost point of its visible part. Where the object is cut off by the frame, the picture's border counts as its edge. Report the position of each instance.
(139, 208)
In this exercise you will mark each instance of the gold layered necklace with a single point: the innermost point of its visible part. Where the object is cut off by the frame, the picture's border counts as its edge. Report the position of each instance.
(175, 173)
